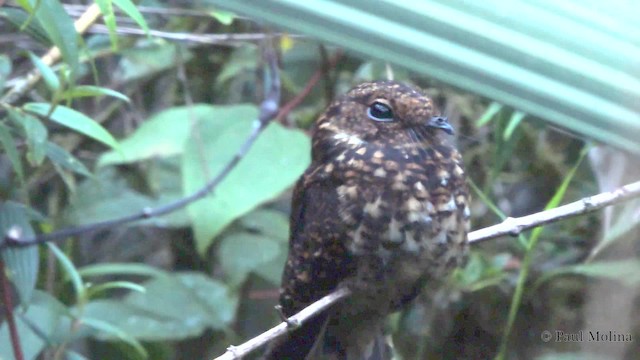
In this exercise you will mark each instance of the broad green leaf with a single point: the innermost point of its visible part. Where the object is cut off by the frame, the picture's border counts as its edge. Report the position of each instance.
(9, 146)
(21, 21)
(63, 158)
(48, 315)
(106, 8)
(147, 59)
(48, 75)
(238, 261)
(5, 70)
(271, 223)
(74, 120)
(162, 135)
(581, 75)
(275, 161)
(132, 11)
(89, 90)
(21, 263)
(60, 29)
(173, 307)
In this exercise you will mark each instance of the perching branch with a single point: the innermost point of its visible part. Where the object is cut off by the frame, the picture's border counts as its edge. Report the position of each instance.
(511, 226)
(268, 111)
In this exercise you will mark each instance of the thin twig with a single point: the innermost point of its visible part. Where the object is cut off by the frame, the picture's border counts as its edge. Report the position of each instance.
(52, 56)
(8, 309)
(237, 352)
(215, 39)
(514, 226)
(511, 226)
(268, 111)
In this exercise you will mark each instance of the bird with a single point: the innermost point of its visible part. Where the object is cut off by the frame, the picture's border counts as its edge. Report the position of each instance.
(382, 209)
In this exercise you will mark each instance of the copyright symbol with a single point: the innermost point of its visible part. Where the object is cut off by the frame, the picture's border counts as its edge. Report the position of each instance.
(546, 336)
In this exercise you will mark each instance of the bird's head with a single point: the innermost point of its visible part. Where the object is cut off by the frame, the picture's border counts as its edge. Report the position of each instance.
(381, 114)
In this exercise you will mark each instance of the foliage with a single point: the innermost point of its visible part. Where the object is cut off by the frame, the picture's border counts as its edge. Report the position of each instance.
(125, 122)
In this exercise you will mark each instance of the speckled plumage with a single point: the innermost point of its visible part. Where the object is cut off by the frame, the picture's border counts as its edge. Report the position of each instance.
(382, 209)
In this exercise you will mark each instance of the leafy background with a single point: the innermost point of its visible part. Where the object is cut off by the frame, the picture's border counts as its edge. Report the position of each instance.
(543, 95)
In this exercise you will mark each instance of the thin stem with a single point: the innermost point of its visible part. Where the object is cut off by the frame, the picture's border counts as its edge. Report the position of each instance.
(8, 309)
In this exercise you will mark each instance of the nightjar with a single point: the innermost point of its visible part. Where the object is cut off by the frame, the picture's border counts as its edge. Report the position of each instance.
(382, 209)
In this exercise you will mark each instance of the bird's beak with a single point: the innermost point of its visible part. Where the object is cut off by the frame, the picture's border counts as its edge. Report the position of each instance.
(440, 122)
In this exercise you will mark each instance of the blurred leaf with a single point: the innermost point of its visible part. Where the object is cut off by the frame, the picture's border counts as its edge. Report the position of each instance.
(74, 120)
(106, 8)
(71, 272)
(5, 70)
(275, 161)
(624, 271)
(48, 75)
(578, 74)
(50, 317)
(19, 18)
(162, 135)
(514, 121)
(164, 179)
(174, 307)
(493, 109)
(93, 290)
(21, 263)
(242, 253)
(107, 329)
(271, 223)
(62, 157)
(223, 17)
(89, 90)
(60, 29)
(35, 133)
(120, 269)
(129, 8)
(9, 146)
(148, 58)
(243, 59)
(626, 219)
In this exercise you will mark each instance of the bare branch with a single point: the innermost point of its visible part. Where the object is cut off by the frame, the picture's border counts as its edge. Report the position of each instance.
(268, 111)
(237, 352)
(8, 310)
(514, 226)
(511, 226)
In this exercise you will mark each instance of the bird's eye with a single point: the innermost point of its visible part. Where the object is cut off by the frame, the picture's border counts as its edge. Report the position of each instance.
(380, 112)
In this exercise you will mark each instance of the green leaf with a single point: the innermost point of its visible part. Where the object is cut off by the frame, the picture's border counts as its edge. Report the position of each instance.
(109, 330)
(21, 263)
(625, 271)
(63, 158)
(120, 269)
(21, 21)
(271, 223)
(493, 109)
(51, 319)
(279, 156)
(223, 17)
(9, 146)
(173, 307)
(48, 75)
(5, 70)
(70, 271)
(132, 11)
(148, 58)
(120, 285)
(237, 262)
(515, 120)
(162, 135)
(74, 120)
(35, 134)
(89, 90)
(59, 28)
(106, 8)
(578, 74)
